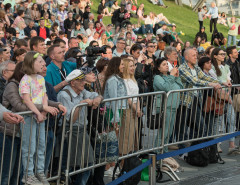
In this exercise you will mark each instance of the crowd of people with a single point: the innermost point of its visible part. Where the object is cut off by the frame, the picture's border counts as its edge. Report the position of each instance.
(42, 70)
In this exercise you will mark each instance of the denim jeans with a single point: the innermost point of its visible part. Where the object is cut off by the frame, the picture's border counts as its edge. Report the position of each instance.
(160, 2)
(8, 152)
(109, 4)
(149, 28)
(231, 121)
(82, 178)
(230, 38)
(33, 139)
(49, 149)
(170, 121)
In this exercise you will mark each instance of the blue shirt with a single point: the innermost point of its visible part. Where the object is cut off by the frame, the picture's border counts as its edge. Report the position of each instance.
(213, 12)
(53, 72)
(70, 103)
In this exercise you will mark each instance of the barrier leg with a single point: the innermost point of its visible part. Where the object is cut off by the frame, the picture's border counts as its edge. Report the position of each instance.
(152, 170)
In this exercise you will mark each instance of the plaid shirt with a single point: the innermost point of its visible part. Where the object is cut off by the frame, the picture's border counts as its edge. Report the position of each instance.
(189, 81)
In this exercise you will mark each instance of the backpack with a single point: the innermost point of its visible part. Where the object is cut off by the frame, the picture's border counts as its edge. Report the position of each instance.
(202, 157)
(129, 164)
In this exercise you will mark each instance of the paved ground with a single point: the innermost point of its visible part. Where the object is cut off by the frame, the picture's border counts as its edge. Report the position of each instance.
(213, 174)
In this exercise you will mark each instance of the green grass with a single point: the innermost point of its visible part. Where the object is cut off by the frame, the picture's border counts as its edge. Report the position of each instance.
(185, 19)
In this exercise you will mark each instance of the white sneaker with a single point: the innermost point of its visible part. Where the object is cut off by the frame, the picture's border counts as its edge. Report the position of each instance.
(31, 180)
(42, 178)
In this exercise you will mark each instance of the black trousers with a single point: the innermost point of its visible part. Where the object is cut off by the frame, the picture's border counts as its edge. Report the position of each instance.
(213, 21)
(200, 25)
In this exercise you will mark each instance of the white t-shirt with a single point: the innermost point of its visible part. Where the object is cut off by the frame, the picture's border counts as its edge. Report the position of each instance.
(132, 88)
(160, 31)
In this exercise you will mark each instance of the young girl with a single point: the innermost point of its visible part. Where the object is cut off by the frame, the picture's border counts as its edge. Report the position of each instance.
(47, 21)
(33, 91)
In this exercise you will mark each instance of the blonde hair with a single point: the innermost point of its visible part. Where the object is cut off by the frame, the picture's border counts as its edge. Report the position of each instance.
(126, 74)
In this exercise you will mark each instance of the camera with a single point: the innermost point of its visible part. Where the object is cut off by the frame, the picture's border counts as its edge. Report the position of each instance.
(91, 51)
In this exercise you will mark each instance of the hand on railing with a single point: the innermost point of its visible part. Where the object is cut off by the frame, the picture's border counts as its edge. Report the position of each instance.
(52, 110)
(215, 85)
(12, 118)
(62, 109)
(96, 102)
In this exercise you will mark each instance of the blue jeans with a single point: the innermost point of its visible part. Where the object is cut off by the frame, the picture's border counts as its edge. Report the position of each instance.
(49, 149)
(230, 38)
(231, 121)
(8, 152)
(109, 4)
(33, 139)
(160, 2)
(149, 28)
(82, 178)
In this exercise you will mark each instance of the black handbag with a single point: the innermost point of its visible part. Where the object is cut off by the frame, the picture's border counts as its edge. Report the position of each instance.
(155, 121)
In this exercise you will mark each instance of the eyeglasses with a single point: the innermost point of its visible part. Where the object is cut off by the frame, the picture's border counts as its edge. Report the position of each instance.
(95, 46)
(17, 32)
(151, 46)
(139, 38)
(223, 54)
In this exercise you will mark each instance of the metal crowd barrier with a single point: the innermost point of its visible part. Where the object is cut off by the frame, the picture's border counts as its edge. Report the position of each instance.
(11, 166)
(91, 138)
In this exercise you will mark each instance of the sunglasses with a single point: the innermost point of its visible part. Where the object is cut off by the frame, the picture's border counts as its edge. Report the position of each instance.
(223, 54)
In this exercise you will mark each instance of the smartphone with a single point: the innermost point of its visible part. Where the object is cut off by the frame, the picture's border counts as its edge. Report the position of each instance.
(14, 39)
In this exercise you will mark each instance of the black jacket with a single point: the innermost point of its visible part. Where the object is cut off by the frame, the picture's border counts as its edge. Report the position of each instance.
(217, 35)
(28, 30)
(47, 31)
(235, 71)
(202, 35)
(69, 24)
(118, 16)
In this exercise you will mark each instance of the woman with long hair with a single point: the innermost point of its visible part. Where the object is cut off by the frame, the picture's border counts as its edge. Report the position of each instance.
(114, 87)
(128, 138)
(165, 81)
(222, 73)
(35, 13)
(103, 41)
(178, 47)
(197, 41)
(101, 66)
(4, 18)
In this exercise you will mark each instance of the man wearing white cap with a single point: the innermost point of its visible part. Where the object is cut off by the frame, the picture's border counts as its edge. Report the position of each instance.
(72, 95)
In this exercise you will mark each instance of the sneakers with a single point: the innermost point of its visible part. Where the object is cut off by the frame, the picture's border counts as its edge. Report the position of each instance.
(31, 180)
(41, 177)
(233, 151)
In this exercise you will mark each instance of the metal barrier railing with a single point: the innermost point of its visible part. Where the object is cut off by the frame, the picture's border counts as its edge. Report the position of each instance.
(119, 129)
(11, 149)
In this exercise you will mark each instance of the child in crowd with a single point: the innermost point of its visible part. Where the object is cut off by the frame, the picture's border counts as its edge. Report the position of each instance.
(33, 91)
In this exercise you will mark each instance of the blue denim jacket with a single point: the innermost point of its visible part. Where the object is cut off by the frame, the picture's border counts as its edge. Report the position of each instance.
(114, 88)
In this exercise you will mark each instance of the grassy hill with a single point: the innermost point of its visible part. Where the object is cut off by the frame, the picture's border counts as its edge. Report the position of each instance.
(185, 19)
